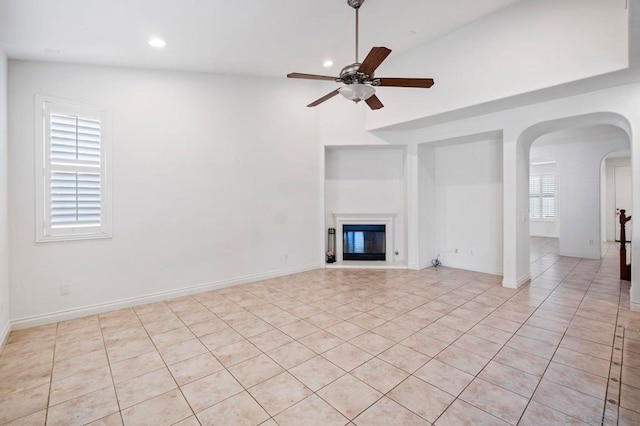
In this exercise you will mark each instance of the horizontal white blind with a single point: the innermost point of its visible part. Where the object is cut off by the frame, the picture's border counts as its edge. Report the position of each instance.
(75, 199)
(534, 197)
(548, 187)
(542, 197)
(75, 139)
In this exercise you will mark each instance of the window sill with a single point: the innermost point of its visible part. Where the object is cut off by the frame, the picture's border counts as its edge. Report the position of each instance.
(79, 237)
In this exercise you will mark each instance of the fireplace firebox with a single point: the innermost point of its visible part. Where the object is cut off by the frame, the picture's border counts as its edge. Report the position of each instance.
(363, 242)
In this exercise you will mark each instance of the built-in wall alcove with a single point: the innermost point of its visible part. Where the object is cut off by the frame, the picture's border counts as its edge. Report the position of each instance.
(365, 188)
(460, 202)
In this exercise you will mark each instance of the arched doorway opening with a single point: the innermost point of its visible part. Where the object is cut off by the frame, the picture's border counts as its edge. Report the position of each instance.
(578, 145)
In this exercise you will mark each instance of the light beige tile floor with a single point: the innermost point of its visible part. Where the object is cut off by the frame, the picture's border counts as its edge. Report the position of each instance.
(364, 347)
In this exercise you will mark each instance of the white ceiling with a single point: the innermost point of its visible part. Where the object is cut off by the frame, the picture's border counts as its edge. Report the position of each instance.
(250, 37)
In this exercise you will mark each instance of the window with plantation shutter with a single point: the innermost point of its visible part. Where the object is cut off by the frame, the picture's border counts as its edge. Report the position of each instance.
(73, 194)
(542, 197)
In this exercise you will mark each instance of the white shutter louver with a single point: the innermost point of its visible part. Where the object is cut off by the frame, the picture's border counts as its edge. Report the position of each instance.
(75, 199)
(75, 188)
(548, 185)
(534, 197)
(75, 139)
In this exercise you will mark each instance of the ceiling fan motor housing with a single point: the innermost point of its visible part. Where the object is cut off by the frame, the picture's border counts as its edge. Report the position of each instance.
(350, 75)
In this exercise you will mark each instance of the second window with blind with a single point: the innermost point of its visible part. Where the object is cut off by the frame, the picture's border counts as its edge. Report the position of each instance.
(72, 171)
(542, 196)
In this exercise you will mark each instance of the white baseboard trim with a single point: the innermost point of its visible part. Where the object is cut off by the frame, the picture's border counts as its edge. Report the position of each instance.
(36, 320)
(516, 284)
(425, 264)
(4, 335)
(634, 307)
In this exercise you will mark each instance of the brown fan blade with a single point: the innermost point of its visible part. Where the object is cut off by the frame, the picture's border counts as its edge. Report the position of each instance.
(373, 60)
(424, 83)
(374, 103)
(324, 98)
(311, 76)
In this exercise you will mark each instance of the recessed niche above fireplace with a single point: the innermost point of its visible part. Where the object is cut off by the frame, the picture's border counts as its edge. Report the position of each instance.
(363, 242)
(364, 236)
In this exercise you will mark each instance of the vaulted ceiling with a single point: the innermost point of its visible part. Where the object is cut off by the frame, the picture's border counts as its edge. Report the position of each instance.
(249, 37)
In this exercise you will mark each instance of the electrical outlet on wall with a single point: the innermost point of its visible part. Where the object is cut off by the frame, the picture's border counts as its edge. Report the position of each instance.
(65, 290)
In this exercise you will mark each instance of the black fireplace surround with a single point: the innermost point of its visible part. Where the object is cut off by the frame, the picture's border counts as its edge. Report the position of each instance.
(363, 242)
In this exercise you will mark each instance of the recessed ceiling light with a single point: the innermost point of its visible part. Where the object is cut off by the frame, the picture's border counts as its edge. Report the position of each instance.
(52, 51)
(328, 63)
(157, 42)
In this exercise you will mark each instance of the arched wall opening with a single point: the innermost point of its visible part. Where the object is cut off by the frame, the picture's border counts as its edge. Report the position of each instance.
(579, 144)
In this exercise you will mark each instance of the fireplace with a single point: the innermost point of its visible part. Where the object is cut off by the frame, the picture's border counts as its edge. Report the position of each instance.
(363, 242)
(381, 221)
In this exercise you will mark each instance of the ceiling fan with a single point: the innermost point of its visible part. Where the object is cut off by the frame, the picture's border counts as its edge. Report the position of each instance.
(359, 78)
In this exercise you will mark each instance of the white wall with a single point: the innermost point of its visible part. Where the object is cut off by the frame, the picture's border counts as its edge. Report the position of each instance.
(4, 198)
(579, 206)
(367, 180)
(544, 228)
(528, 46)
(216, 180)
(428, 246)
(468, 205)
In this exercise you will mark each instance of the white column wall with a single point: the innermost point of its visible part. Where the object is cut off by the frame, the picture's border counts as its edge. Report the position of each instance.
(412, 201)
(4, 199)
(427, 224)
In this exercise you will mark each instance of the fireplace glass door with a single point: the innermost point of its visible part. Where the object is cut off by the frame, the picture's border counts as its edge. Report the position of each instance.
(363, 242)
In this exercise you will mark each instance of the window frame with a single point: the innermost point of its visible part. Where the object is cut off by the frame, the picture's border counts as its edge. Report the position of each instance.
(44, 105)
(541, 197)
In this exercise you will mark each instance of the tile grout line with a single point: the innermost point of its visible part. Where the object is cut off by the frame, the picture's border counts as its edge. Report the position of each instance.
(113, 382)
(563, 336)
(505, 345)
(165, 365)
(53, 363)
(225, 368)
(614, 383)
(374, 356)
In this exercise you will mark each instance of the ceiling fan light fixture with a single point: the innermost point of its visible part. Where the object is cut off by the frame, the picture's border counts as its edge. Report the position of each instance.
(357, 92)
